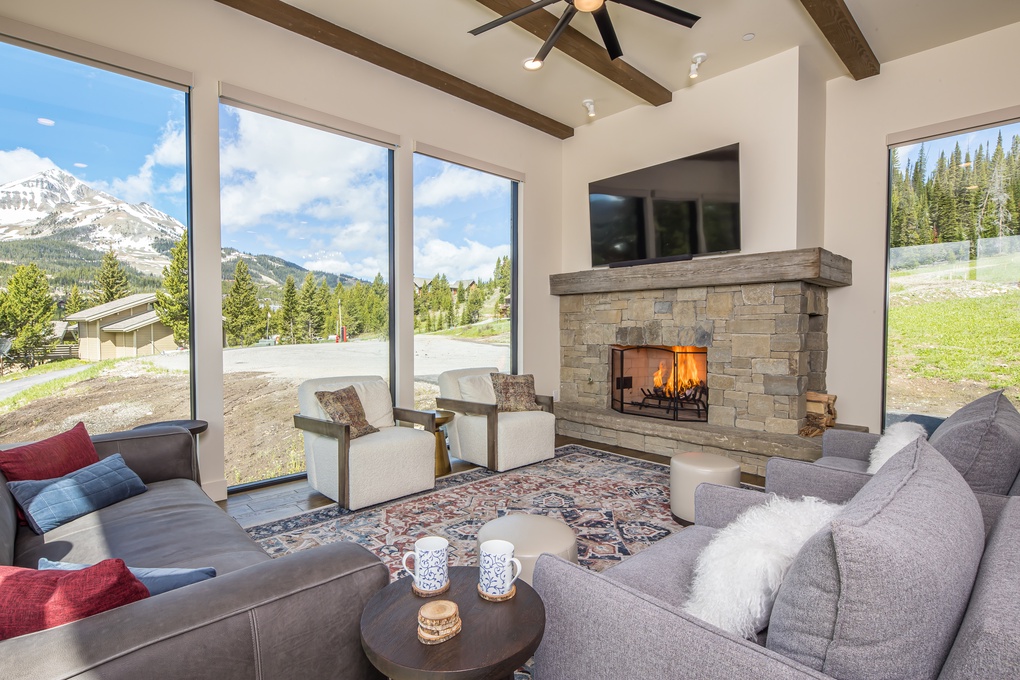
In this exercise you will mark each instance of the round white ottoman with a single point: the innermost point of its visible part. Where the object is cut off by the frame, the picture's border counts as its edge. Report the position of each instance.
(531, 535)
(687, 470)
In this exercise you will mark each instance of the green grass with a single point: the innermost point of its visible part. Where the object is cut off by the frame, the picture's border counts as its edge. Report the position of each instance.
(485, 330)
(973, 339)
(52, 387)
(44, 368)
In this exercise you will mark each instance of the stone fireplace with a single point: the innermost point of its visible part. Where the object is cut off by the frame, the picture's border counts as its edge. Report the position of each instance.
(656, 381)
(762, 321)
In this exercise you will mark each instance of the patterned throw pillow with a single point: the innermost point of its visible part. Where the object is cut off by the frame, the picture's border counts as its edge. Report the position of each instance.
(514, 392)
(344, 406)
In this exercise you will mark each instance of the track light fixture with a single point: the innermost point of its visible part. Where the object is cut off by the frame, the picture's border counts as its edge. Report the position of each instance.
(696, 61)
(589, 106)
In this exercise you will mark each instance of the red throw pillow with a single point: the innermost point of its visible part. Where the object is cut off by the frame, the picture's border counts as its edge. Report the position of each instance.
(49, 458)
(32, 600)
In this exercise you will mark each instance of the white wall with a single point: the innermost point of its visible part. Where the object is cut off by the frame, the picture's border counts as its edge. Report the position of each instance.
(965, 78)
(216, 43)
(756, 106)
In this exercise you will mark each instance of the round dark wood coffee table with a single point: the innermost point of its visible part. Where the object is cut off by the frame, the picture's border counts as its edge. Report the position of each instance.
(496, 638)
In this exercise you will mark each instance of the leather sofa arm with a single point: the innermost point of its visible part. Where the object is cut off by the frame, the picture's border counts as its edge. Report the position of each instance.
(716, 505)
(296, 616)
(796, 478)
(648, 638)
(155, 454)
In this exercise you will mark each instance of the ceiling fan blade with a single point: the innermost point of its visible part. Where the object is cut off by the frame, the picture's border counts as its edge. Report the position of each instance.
(607, 32)
(510, 17)
(561, 26)
(663, 11)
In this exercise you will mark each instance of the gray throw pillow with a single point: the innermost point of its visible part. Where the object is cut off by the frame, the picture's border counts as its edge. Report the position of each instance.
(982, 441)
(882, 592)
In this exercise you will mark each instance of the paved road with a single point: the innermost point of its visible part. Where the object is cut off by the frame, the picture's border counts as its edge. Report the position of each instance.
(432, 356)
(9, 389)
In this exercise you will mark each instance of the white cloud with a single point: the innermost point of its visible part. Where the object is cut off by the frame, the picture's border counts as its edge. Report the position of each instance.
(81, 165)
(469, 261)
(456, 183)
(275, 168)
(21, 163)
(45, 121)
(427, 226)
(170, 151)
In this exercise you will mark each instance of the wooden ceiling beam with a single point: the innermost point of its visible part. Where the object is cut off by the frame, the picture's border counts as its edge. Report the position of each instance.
(310, 26)
(838, 26)
(585, 50)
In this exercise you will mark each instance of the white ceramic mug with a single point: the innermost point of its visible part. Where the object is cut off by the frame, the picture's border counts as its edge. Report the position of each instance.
(431, 571)
(495, 573)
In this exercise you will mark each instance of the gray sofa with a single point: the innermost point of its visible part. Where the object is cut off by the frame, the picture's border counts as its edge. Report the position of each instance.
(915, 578)
(296, 616)
(981, 440)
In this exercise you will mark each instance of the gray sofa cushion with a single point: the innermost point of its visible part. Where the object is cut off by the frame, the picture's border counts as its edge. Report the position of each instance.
(173, 524)
(986, 645)
(881, 593)
(982, 441)
(838, 463)
(665, 569)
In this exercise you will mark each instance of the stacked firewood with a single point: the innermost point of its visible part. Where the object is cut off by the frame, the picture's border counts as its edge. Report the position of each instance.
(821, 414)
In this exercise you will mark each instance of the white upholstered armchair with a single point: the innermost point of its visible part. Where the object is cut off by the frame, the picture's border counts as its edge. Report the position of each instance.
(391, 463)
(484, 436)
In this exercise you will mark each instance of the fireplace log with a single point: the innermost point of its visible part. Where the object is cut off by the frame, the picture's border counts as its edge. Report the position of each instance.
(821, 413)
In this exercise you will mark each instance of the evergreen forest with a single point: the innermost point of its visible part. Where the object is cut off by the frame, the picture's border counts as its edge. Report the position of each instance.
(964, 198)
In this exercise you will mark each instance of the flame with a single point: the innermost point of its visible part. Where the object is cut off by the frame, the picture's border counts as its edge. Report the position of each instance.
(686, 376)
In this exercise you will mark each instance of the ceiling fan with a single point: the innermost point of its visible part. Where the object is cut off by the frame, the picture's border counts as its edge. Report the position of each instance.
(599, 11)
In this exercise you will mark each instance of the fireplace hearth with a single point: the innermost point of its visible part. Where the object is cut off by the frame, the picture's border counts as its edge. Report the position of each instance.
(660, 382)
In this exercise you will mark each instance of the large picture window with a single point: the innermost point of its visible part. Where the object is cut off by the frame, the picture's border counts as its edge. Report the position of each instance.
(305, 217)
(94, 253)
(953, 321)
(464, 226)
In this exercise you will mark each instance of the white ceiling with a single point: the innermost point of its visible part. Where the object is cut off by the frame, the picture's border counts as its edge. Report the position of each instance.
(436, 32)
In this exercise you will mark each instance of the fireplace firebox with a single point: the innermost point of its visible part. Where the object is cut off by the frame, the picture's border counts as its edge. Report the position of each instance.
(660, 381)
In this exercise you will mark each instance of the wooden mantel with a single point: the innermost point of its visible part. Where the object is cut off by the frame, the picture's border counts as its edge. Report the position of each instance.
(813, 265)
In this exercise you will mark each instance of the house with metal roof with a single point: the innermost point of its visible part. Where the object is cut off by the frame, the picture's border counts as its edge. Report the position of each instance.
(128, 327)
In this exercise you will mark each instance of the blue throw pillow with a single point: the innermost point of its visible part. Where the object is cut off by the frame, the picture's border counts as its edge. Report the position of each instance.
(48, 503)
(157, 580)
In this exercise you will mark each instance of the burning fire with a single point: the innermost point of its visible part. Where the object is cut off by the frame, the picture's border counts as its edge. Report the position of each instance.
(686, 377)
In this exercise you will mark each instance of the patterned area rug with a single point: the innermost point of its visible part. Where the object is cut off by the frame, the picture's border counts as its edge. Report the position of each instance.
(616, 505)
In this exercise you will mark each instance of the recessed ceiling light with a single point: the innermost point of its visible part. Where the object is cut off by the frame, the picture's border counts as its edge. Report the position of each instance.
(748, 37)
(532, 64)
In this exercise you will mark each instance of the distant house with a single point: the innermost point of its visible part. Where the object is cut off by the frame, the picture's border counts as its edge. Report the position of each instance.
(127, 327)
(63, 332)
(420, 284)
(468, 285)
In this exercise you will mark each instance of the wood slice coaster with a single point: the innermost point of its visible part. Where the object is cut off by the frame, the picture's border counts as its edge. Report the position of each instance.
(427, 638)
(429, 593)
(438, 616)
(497, 598)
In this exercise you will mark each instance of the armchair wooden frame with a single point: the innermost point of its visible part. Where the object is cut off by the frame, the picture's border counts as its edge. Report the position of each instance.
(473, 408)
(342, 433)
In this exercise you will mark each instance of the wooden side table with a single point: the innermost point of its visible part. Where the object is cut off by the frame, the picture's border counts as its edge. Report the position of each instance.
(496, 639)
(442, 454)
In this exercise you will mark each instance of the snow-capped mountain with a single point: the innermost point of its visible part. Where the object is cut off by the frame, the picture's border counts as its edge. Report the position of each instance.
(56, 204)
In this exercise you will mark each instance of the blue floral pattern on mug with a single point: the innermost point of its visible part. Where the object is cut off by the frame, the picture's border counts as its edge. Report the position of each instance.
(495, 570)
(431, 563)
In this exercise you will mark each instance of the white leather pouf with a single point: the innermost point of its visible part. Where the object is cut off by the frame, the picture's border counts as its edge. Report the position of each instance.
(531, 535)
(687, 470)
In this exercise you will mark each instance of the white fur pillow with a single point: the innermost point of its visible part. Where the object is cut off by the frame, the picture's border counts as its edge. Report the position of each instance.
(739, 572)
(895, 437)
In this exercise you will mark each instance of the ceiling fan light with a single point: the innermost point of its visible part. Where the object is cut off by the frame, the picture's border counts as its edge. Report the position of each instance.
(533, 64)
(588, 5)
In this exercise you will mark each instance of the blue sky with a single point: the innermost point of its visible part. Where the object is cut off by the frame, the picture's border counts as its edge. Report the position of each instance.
(967, 140)
(309, 196)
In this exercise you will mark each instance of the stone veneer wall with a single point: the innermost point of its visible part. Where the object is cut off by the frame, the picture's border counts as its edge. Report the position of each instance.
(766, 346)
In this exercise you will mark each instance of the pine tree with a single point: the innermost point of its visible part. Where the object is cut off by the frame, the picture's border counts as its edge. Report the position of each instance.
(112, 280)
(309, 313)
(289, 312)
(26, 313)
(75, 302)
(473, 308)
(173, 304)
(243, 318)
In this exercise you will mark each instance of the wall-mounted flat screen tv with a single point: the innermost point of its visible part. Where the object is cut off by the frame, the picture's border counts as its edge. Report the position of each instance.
(672, 211)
